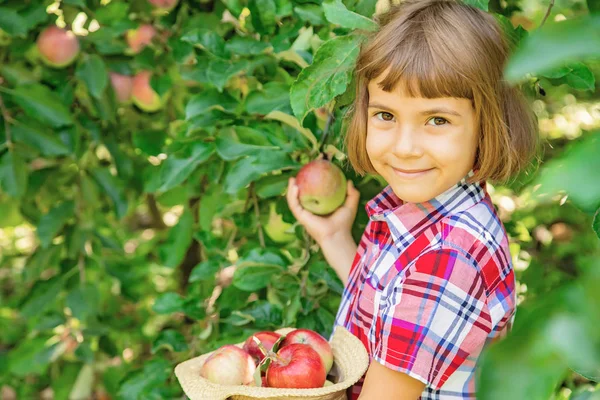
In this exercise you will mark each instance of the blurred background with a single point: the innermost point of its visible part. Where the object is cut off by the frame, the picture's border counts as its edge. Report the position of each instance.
(145, 147)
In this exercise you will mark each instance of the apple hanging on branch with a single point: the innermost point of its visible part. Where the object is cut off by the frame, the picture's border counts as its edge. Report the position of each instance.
(58, 47)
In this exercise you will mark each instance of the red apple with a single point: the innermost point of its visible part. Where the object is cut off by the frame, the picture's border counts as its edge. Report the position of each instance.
(267, 338)
(164, 5)
(296, 366)
(229, 365)
(321, 187)
(142, 93)
(314, 340)
(122, 86)
(58, 47)
(139, 38)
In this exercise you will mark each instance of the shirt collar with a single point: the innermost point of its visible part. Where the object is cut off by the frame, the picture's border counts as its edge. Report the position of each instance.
(407, 220)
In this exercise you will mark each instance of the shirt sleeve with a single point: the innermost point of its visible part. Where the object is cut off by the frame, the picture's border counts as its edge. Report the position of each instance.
(435, 319)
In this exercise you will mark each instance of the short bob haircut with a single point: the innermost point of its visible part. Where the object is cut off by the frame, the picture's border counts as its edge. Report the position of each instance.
(445, 48)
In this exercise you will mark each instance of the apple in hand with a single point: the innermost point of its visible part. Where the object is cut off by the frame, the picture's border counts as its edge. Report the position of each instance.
(321, 187)
(267, 338)
(229, 365)
(314, 340)
(296, 366)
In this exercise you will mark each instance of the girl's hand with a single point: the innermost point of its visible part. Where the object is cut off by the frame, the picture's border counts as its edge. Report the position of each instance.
(323, 228)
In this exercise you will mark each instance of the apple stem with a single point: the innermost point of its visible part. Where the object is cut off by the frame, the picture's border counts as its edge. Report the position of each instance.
(261, 347)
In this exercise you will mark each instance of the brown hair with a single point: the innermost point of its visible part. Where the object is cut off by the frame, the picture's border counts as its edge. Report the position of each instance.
(444, 48)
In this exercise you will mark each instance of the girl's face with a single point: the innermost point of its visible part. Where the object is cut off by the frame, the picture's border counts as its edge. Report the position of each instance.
(420, 146)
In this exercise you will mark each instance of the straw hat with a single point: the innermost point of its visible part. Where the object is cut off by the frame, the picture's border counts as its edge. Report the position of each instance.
(350, 362)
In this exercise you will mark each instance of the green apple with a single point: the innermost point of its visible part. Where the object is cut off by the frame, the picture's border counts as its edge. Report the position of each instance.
(321, 187)
(277, 229)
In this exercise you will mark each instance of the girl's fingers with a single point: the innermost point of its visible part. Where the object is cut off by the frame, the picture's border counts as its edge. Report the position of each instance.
(292, 199)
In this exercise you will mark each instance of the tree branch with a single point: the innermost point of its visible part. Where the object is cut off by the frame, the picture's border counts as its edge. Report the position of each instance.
(261, 237)
(7, 119)
(547, 13)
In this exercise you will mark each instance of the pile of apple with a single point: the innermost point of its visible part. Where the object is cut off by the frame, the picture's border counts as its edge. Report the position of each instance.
(301, 359)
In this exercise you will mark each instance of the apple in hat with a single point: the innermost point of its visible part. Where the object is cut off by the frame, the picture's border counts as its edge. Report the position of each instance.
(296, 366)
(229, 365)
(314, 340)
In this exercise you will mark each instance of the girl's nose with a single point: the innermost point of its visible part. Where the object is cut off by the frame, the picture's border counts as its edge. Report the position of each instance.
(407, 143)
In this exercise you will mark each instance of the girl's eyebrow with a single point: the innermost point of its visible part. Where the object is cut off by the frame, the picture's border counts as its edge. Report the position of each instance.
(435, 110)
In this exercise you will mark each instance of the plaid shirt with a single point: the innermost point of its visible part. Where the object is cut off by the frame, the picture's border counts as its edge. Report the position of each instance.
(431, 284)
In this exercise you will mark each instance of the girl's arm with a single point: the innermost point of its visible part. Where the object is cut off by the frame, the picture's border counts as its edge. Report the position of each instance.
(384, 383)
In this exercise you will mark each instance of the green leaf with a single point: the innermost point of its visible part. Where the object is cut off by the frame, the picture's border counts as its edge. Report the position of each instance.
(327, 77)
(207, 40)
(180, 237)
(42, 295)
(93, 73)
(84, 301)
(263, 14)
(12, 23)
(596, 223)
(168, 303)
(176, 170)
(271, 186)
(554, 44)
(581, 77)
(13, 174)
(245, 46)
(312, 13)
(229, 146)
(275, 96)
(41, 103)
(572, 173)
(262, 257)
(205, 270)
(253, 278)
(207, 100)
(33, 356)
(53, 222)
(337, 13)
(251, 168)
(84, 384)
(115, 189)
(593, 6)
(155, 372)
(219, 71)
(482, 4)
(40, 139)
(171, 340)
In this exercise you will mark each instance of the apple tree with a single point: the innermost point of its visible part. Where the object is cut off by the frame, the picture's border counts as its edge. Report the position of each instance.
(145, 148)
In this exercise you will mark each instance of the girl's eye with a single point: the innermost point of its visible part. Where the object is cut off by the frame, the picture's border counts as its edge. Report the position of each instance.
(386, 116)
(442, 121)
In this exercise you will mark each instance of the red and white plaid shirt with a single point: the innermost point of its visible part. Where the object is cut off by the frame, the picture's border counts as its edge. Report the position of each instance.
(431, 284)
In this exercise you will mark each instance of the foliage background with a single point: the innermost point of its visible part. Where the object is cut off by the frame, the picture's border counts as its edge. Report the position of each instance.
(131, 241)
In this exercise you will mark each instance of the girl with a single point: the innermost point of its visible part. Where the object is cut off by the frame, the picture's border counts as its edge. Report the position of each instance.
(431, 281)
